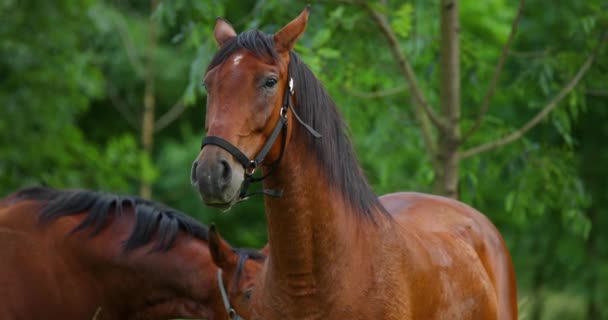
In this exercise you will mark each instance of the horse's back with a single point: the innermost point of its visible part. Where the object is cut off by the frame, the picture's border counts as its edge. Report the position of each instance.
(33, 270)
(454, 235)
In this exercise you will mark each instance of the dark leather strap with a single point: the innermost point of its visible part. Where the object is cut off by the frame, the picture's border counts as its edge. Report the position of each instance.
(305, 125)
(241, 157)
(271, 140)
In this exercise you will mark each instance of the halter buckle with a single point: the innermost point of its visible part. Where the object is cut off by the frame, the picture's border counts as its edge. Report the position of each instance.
(291, 87)
(250, 170)
(231, 314)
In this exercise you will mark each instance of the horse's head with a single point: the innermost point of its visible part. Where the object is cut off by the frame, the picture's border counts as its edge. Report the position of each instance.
(239, 269)
(247, 87)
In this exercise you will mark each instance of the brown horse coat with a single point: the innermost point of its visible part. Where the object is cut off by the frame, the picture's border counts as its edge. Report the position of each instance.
(84, 255)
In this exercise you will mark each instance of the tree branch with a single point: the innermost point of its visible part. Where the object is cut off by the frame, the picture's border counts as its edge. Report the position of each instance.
(597, 92)
(374, 94)
(544, 112)
(132, 55)
(166, 119)
(485, 105)
(530, 54)
(404, 65)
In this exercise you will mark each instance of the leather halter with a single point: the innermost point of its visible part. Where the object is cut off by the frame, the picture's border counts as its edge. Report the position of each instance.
(232, 315)
(250, 166)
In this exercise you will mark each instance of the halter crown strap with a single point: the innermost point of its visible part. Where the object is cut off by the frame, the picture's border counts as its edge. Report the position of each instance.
(231, 312)
(292, 90)
(273, 136)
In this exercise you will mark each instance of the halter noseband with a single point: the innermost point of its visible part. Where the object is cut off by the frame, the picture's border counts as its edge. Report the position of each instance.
(250, 166)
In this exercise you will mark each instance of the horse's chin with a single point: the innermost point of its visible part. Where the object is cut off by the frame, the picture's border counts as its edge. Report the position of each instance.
(224, 206)
(224, 201)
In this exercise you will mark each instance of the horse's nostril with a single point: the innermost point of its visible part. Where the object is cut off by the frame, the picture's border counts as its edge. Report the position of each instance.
(226, 171)
(193, 172)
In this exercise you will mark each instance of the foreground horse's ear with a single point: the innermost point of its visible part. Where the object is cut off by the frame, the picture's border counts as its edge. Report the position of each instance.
(223, 31)
(285, 39)
(221, 252)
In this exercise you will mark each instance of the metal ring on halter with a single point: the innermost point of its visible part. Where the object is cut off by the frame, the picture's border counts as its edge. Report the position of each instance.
(229, 309)
(250, 170)
(231, 313)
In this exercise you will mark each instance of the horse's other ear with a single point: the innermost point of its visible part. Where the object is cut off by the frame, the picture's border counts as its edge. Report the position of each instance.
(223, 31)
(221, 252)
(285, 39)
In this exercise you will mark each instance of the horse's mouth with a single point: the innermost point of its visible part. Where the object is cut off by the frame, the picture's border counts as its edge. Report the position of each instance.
(224, 206)
(223, 202)
(220, 204)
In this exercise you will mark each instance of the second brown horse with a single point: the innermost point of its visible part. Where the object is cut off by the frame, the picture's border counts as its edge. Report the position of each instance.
(79, 254)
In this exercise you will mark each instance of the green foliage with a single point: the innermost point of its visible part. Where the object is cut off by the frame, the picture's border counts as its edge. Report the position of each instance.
(402, 21)
(49, 78)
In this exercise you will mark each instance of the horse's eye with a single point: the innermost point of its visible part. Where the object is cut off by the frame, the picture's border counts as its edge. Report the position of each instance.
(270, 82)
(247, 294)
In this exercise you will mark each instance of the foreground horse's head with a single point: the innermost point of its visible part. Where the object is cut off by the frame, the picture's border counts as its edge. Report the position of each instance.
(247, 89)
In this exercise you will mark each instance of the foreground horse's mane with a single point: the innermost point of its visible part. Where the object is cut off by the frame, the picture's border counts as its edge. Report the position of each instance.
(314, 105)
(150, 217)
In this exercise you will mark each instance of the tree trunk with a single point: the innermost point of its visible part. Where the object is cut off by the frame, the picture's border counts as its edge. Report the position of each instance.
(446, 182)
(147, 131)
(593, 309)
(538, 300)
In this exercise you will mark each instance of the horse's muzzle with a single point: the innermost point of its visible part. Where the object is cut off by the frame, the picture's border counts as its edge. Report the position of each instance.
(217, 178)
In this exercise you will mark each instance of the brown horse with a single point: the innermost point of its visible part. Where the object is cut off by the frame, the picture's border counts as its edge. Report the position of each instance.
(239, 271)
(336, 250)
(80, 254)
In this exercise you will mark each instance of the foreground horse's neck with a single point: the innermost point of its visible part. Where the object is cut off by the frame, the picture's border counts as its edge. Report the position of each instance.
(314, 236)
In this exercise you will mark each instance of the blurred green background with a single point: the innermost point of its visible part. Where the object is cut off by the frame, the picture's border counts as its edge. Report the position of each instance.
(80, 78)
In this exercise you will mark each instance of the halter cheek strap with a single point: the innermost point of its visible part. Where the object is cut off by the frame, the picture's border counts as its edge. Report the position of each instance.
(232, 315)
(250, 166)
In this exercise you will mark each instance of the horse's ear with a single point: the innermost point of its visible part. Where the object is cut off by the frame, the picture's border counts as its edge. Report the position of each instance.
(223, 31)
(221, 252)
(285, 39)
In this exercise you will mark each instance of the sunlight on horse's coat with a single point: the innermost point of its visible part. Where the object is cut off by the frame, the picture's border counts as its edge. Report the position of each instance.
(440, 257)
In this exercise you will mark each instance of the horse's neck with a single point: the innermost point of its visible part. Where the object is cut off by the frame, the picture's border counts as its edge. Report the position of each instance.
(311, 233)
(145, 284)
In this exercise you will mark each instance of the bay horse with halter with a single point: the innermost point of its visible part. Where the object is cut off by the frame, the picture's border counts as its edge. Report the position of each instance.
(233, 279)
(336, 250)
(79, 254)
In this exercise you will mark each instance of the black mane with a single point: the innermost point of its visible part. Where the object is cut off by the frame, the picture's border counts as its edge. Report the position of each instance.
(245, 254)
(150, 217)
(248, 253)
(314, 105)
